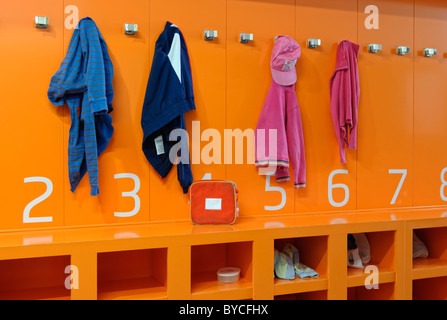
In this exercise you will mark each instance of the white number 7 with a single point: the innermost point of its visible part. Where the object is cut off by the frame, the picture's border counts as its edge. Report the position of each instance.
(403, 172)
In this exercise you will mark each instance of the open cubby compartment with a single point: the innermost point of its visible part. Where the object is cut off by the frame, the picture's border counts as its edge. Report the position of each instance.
(382, 260)
(43, 278)
(313, 252)
(435, 265)
(207, 259)
(313, 295)
(133, 274)
(384, 291)
(430, 289)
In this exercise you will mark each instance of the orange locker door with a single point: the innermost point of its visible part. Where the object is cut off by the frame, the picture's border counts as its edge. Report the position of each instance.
(385, 139)
(123, 171)
(430, 99)
(207, 122)
(330, 185)
(249, 79)
(30, 126)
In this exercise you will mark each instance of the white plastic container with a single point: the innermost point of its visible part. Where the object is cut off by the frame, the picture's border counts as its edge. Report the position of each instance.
(228, 275)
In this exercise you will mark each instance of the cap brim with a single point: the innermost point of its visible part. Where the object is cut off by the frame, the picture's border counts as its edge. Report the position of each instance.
(284, 78)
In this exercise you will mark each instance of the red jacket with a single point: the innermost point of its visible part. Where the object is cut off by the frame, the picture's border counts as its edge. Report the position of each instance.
(345, 95)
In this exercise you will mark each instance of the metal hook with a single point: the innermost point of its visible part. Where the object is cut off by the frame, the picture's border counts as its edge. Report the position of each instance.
(313, 43)
(41, 22)
(245, 37)
(210, 34)
(130, 28)
(373, 48)
(428, 52)
(401, 50)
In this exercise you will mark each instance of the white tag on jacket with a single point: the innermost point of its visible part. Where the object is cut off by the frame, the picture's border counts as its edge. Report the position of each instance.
(159, 145)
(213, 204)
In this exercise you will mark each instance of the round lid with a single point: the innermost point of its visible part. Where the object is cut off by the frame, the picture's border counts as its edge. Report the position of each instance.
(228, 272)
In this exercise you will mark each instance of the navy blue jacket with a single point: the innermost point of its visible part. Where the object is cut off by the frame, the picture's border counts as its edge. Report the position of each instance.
(169, 95)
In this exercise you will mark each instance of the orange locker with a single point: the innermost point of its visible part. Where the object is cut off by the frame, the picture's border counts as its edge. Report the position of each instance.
(385, 139)
(315, 68)
(31, 127)
(208, 68)
(248, 81)
(430, 98)
(123, 169)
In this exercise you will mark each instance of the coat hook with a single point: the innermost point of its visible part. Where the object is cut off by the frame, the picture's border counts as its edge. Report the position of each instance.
(130, 28)
(428, 52)
(313, 43)
(210, 34)
(41, 22)
(373, 48)
(401, 50)
(245, 37)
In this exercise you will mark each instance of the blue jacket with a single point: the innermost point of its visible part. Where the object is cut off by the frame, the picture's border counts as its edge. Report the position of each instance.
(84, 82)
(169, 95)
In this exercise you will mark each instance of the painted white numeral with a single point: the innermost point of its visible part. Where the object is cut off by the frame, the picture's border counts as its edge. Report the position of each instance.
(26, 217)
(444, 184)
(403, 172)
(132, 194)
(278, 189)
(332, 186)
(207, 176)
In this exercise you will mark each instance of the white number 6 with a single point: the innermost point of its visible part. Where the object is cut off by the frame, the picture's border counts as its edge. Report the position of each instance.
(338, 185)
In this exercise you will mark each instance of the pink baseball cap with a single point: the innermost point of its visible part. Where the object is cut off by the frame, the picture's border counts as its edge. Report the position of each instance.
(285, 54)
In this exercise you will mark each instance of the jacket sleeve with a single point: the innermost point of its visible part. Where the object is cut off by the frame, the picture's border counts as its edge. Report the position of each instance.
(94, 67)
(66, 80)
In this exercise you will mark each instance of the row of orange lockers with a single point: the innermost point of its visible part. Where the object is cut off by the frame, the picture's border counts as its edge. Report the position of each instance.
(400, 160)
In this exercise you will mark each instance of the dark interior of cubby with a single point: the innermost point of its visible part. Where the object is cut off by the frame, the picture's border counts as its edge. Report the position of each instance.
(435, 239)
(135, 273)
(206, 260)
(34, 278)
(312, 251)
(430, 289)
(385, 291)
(382, 249)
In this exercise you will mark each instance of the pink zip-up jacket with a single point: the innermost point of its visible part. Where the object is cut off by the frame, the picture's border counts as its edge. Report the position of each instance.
(281, 114)
(345, 95)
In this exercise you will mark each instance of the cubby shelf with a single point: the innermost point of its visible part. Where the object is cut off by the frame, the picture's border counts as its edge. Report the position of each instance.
(42, 293)
(357, 277)
(132, 289)
(206, 287)
(299, 285)
(429, 268)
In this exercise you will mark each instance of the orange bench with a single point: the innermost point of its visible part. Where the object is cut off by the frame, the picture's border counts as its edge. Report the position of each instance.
(179, 260)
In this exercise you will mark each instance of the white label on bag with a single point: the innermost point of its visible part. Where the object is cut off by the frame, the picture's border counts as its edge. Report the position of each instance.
(159, 145)
(213, 204)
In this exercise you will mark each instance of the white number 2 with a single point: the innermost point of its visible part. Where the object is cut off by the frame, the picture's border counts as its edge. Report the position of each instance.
(132, 194)
(26, 217)
(403, 172)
